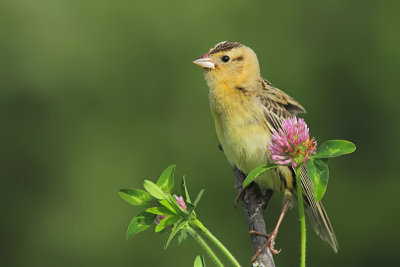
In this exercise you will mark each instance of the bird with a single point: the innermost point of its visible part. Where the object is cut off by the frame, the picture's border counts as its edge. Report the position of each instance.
(247, 109)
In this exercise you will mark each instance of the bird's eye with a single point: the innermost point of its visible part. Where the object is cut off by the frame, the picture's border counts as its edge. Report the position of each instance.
(225, 58)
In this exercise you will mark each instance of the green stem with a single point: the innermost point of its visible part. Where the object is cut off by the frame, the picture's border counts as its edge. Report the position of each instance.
(205, 246)
(224, 250)
(302, 219)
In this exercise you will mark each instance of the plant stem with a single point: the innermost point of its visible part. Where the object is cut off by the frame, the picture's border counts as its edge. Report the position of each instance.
(302, 219)
(205, 246)
(224, 250)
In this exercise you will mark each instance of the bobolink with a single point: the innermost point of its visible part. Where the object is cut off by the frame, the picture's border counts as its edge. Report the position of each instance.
(247, 109)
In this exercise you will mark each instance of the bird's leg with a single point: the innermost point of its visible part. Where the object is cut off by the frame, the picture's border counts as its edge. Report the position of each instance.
(270, 242)
(263, 246)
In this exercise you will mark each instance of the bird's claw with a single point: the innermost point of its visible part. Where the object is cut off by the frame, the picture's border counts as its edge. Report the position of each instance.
(270, 242)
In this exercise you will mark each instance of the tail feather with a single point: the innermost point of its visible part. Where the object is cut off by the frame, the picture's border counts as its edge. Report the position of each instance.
(316, 212)
(322, 226)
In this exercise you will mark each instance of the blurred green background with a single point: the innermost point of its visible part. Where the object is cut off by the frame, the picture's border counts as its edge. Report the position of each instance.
(99, 95)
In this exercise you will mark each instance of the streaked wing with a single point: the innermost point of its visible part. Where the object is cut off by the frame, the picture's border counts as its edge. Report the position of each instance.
(279, 106)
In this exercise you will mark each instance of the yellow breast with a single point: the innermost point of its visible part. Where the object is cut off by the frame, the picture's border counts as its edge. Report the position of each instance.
(242, 131)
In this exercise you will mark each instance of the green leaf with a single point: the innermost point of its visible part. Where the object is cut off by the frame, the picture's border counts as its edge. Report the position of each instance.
(325, 160)
(199, 262)
(198, 197)
(154, 190)
(184, 191)
(190, 208)
(190, 213)
(177, 227)
(167, 204)
(167, 221)
(335, 148)
(135, 197)
(160, 211)
(164, 231)
(177, 208)
(257, 172)
(140, 223)
(318, 172)
(166, 180)
(182, 237)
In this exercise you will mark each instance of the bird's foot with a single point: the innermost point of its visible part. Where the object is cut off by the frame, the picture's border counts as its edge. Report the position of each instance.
(270, 242)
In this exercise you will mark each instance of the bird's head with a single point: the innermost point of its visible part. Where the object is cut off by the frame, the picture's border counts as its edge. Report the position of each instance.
(231, 63)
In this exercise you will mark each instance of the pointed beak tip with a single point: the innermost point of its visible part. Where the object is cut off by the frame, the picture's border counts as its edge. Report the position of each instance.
(204, 62)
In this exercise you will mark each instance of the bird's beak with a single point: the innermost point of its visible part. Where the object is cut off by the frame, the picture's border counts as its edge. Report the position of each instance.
(205, 62)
